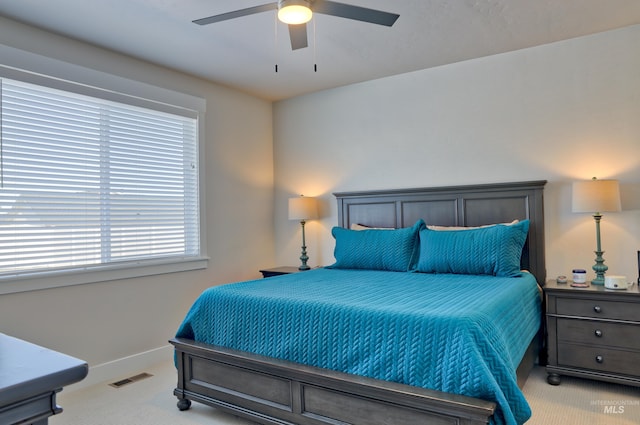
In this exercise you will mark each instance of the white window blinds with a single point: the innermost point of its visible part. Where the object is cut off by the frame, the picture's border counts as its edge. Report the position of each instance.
(89, 182)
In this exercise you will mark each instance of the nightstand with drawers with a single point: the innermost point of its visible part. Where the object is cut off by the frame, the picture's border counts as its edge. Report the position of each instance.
(593, 332)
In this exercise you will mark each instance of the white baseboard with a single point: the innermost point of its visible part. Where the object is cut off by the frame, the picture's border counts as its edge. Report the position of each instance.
(122, 368)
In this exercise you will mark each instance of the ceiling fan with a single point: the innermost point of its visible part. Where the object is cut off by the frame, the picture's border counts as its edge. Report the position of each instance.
(296, 13)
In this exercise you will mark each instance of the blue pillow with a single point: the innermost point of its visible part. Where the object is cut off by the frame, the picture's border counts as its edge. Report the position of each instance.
(377, 249)
(494, 250)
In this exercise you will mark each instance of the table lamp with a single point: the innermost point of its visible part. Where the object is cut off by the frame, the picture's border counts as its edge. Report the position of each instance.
(303, 209)
(596, 196)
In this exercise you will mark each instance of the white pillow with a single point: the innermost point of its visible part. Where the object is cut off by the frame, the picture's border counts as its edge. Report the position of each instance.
(356, 226)
(434, 227)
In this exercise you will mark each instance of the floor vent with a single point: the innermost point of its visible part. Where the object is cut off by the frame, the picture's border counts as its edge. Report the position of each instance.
(130, 380)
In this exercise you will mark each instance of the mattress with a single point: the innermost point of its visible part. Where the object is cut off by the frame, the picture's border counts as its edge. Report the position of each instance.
(460, 334)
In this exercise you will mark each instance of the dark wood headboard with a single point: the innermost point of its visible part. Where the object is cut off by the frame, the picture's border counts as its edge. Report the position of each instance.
(473, 205)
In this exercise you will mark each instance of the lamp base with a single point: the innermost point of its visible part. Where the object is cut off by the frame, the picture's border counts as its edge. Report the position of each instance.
(304, 257)
(599, 267)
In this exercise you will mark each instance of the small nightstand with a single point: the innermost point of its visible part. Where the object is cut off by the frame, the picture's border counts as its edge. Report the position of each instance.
(593, 333)
(277, 271)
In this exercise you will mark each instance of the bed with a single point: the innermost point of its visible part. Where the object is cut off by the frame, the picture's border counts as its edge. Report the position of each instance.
(365, 343)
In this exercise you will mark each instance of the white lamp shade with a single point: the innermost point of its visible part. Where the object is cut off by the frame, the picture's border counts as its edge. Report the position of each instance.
(294, 12)
(595, 196)
(303, 208)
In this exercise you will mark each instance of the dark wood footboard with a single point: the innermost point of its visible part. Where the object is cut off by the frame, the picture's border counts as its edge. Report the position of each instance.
(271, 391)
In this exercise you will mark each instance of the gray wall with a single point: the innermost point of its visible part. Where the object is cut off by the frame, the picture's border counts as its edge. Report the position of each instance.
(559, 112)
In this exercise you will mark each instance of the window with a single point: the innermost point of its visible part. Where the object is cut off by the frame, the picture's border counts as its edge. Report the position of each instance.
(89, 183)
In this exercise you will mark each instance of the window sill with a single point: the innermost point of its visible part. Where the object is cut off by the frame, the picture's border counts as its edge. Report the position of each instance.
(37, 282)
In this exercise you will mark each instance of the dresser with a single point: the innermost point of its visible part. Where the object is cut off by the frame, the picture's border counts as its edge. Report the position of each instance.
(30, 378)
(593, 333)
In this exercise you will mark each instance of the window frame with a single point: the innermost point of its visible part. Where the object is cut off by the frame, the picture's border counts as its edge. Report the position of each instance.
(28, 67)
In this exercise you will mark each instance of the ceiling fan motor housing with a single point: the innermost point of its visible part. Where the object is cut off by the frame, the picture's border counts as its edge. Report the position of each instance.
(294, 12)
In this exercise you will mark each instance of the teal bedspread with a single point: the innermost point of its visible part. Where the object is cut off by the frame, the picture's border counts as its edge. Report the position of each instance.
(455, 333)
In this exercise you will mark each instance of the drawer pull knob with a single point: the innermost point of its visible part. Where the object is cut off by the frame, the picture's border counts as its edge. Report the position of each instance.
(597, 309)
(598, 333)
(599, 359)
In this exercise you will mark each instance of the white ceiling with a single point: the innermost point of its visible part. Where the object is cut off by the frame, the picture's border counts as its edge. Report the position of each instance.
(242, 53)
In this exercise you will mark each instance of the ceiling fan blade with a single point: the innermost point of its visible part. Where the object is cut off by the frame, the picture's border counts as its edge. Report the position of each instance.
(236, 14)
(298, 35)
(354, 12)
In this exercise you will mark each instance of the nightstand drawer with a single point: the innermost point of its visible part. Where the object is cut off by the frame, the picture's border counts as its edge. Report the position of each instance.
(597, 358)
(598, 309)
(593, 332)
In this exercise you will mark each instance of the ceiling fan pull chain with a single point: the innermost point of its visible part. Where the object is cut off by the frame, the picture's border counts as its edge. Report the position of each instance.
(315, 62)
(275, 46)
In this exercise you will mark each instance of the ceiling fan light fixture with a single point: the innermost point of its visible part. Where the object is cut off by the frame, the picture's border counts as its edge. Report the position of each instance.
(294, 12)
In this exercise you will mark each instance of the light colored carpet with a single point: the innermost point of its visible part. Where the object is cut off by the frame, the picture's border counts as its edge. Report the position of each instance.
(151, 402)
(579, 401)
